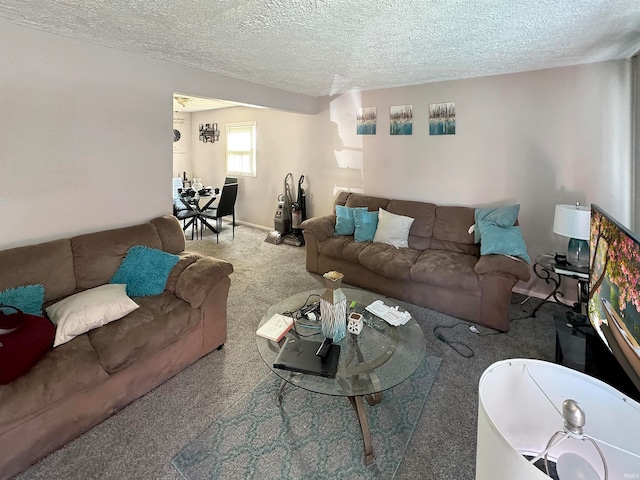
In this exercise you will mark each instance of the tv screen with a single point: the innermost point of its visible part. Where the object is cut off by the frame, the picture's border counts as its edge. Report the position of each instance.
(614, 290)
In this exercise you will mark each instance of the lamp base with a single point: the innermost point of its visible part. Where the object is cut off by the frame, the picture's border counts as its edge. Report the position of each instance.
(578, 252)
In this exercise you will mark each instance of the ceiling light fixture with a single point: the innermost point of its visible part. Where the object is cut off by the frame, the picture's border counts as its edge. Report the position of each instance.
(182, 100)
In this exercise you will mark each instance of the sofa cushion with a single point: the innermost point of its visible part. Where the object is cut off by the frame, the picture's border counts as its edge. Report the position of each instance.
(502, 240)
(501, 216)
(145, 270)
(345, 224)
(392, 229)
(60, 373)
(89, 309)
(366, 224)
(446, 269)
(20, 349)
(451, 230)
(49, 264)
(388, 260)
(97, 256)
(372, 203)
(160, 320)
(26, 298)
(342, 247)
(172, 238)
(424, 215)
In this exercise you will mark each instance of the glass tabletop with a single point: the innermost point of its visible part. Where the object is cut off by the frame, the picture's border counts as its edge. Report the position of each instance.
(379, 358)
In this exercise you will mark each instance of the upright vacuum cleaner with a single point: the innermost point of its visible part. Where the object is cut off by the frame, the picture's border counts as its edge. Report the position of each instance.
(298, 215)
(282, 217)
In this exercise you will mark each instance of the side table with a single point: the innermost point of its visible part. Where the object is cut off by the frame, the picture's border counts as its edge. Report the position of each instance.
(546, 269)
(579, 347)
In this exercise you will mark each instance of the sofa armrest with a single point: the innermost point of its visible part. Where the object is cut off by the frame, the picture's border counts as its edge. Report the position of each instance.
(194, 282)
(321, 227)
(503, 264)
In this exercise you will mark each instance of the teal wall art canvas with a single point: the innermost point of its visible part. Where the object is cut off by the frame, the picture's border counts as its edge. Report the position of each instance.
(442, 118)
(366, 119)
(401, 120)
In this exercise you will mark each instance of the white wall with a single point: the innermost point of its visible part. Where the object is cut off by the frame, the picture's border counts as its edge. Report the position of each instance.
(286, 142)
(536, 138)
(182, 162)
(84, 133)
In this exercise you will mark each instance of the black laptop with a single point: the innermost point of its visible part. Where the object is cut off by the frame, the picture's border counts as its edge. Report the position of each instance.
(299, 355)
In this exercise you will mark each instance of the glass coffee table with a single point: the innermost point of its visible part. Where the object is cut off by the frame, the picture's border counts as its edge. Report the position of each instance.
(379, 358)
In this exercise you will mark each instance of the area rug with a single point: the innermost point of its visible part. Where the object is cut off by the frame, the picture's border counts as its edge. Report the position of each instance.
(311, 436)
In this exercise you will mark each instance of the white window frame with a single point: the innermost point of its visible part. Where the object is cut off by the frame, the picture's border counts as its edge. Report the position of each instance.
(249, 169)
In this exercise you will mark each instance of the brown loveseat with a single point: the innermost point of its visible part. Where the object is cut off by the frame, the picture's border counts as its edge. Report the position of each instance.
(78, 384)
(442, 269)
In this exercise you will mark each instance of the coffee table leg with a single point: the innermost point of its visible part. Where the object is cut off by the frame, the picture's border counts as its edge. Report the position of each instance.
(279, 394)
(364, 426)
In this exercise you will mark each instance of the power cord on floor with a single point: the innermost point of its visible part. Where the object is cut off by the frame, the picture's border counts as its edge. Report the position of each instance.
(460, 348)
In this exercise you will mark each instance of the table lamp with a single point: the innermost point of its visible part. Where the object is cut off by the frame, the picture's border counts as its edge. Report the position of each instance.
(534, 414)
(573, 221)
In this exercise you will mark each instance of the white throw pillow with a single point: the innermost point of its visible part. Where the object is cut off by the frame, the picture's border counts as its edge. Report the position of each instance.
(393, 229)
(87, 310)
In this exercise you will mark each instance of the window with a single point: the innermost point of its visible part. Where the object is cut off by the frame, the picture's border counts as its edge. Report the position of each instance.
(241, 149)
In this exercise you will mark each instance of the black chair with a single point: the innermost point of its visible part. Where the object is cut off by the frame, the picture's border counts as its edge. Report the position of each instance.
(183, 212)
(229, 180)
(226, 206)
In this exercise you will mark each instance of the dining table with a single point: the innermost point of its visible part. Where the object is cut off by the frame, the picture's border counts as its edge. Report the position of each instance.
(199, 203)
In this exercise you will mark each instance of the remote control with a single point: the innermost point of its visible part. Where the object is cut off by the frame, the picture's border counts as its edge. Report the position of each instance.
(324, 348)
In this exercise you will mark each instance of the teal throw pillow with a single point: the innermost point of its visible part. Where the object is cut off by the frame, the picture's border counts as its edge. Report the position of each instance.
(366, 225)
(145, 271)
(502, 241)
(344, 220)
(29, 299)
(501, 216)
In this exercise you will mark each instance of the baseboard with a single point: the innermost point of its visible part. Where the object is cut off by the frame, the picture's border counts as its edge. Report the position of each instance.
(261, 227)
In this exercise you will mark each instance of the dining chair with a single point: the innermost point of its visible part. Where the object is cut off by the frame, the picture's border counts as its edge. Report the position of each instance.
(226, 206)
(183, 212)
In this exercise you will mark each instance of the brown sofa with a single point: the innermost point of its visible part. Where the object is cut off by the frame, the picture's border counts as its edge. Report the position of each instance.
(78, 384)
(442, 269)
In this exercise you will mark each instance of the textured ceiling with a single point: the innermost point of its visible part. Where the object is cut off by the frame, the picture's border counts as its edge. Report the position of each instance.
(321, 47)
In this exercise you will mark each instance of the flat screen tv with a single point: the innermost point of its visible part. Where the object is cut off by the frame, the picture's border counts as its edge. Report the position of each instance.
(614, 289)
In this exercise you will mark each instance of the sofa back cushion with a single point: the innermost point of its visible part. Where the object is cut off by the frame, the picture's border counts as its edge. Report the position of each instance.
(49, 264)
(372, 203)
(435, 227)
(451, 230)
(171, 234)
(98, 255)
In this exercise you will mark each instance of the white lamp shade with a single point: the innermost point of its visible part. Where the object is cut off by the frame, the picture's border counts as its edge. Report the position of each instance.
(516, 418)
(572, 221)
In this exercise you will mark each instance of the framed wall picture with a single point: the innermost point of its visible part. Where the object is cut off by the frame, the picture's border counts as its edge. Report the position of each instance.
(442, 118)
(366, 120)
(401, 120)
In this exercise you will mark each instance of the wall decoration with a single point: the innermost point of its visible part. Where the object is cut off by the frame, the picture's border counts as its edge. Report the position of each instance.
(401, 120)
(366, 119)
(442, 118)
(176, 135)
